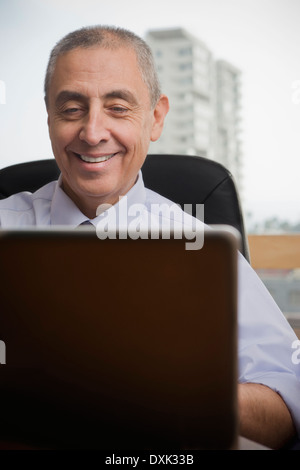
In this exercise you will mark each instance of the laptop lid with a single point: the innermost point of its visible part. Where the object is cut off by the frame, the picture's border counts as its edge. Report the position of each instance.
(118, 344)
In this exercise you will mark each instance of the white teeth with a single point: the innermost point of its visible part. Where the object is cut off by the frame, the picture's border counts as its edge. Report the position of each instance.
(96, 160)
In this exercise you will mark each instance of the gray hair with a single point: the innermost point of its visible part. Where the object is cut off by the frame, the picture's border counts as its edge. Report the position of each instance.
(108, 37)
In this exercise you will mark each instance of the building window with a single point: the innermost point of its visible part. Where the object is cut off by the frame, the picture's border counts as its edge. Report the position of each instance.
(185, 51)
(185, 81)
(185, 66)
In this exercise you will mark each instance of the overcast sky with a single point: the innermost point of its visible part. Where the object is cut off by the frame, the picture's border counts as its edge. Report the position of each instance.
(260, 37)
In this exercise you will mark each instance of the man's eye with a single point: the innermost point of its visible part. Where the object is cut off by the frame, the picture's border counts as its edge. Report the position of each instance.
(72, 113)
(71, 110)
(118, 109)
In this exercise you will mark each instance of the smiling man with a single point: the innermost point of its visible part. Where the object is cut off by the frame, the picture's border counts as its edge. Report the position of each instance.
(101, 120)
(104, 107)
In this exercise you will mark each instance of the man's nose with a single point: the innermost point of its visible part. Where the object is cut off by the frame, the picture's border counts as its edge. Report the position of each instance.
(94, 128)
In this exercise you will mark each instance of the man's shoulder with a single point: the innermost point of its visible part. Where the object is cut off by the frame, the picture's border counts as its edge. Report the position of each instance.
(165, 208)
(155, 198)
(156, 204)
(24, 201)
(27, 209)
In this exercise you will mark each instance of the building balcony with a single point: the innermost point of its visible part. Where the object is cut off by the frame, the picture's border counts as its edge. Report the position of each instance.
(276, 259)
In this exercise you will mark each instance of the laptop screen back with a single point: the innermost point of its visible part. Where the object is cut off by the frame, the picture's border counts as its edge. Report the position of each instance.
(118, 343)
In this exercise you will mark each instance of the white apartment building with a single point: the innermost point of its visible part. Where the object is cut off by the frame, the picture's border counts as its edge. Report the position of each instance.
(204, 99)
(228, 97)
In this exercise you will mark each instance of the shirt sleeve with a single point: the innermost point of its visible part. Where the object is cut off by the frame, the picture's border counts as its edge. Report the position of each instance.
(27, 209)
(266, 341)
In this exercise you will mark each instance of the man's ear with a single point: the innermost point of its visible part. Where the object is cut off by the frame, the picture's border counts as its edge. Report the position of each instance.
(160, 111)
(48, 118)
(47, 110)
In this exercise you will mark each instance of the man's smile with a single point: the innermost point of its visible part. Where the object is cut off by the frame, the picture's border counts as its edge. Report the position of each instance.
(95, 159)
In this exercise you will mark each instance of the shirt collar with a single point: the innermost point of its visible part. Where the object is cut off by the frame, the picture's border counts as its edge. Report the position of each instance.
(65, 212)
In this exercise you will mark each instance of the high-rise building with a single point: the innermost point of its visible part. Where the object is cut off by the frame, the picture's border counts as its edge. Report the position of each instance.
(204, 99)
(228, 120)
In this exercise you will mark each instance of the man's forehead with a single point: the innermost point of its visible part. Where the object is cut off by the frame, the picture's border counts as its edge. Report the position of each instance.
(114, 72)
(94, 57)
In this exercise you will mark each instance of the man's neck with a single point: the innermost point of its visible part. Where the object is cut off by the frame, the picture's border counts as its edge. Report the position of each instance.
(89, 205)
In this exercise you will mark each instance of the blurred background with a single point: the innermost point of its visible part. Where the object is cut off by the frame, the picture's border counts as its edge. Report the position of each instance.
(230, 68)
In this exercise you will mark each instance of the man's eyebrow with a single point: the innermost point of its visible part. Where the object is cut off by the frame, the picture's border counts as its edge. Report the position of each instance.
(125, 95)
(66, 95)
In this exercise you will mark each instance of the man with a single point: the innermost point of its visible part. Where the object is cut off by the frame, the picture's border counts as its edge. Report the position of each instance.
(104, 107)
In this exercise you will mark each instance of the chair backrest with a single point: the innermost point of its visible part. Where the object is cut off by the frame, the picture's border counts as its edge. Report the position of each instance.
(181, 178)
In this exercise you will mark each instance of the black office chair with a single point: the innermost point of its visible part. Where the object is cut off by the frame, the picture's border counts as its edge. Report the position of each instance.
(181, 178)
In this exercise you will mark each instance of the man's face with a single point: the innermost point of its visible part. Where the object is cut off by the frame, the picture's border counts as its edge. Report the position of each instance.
(100, 123)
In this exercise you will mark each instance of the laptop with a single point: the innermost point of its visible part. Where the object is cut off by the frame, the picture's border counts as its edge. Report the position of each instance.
(118, 343)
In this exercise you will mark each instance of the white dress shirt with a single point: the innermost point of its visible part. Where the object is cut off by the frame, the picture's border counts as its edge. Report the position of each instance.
(265, 341)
